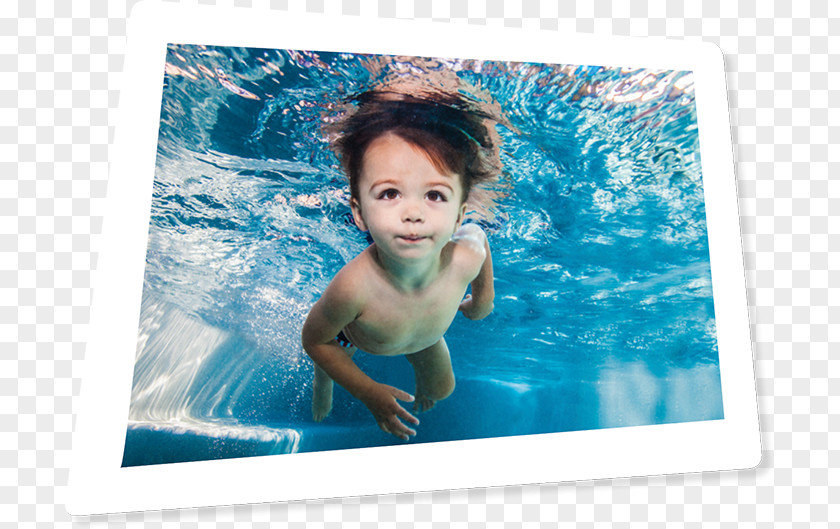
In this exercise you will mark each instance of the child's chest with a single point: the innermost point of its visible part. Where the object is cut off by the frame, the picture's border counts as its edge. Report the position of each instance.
(395, 322)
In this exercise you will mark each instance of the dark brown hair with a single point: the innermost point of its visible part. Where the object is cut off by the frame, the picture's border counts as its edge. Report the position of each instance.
(455, 136)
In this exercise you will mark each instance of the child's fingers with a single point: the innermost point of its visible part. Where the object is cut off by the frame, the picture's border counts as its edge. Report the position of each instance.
(402, 412)
(388, 414)
(396, 428)
(405, 415)
(406, 397)
(402, 395)
(405, 432)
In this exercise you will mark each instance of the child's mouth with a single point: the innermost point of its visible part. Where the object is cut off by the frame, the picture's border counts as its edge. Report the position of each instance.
(412, 238)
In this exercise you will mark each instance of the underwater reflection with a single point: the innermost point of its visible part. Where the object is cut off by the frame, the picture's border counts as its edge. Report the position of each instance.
(630, 394)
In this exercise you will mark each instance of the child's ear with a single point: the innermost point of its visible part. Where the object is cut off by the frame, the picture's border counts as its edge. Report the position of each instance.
(357, 214)
(461, 214)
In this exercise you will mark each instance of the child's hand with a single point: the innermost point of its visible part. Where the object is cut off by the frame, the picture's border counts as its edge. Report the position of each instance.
(473, 310)
(381, 400)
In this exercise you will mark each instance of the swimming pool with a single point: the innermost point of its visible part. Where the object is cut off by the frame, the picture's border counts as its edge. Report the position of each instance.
(604, 314)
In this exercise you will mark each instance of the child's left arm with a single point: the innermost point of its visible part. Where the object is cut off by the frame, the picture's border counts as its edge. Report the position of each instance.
(479, 303)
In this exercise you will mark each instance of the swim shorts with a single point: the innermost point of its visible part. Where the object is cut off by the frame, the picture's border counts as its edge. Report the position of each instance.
(343, 341)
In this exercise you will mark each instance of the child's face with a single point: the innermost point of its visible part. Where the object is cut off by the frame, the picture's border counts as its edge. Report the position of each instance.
(410, 209)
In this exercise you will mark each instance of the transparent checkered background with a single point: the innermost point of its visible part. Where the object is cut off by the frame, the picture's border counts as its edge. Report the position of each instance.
(60, 69)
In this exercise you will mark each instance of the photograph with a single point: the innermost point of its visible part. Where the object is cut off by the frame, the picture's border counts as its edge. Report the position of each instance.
(342, 259)
(354, 250)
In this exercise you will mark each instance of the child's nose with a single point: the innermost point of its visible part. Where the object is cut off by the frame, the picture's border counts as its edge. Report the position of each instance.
(413, 213)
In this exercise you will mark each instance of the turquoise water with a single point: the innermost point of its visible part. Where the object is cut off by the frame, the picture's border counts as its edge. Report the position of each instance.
(604, 315)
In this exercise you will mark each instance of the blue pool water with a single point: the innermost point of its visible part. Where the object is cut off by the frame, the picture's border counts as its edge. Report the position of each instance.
(604, 315)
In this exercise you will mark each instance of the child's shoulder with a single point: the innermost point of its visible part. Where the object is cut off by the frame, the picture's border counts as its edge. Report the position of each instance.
(469, 250)
(348, 284)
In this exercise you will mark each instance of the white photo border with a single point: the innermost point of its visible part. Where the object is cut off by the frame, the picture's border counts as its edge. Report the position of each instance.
(98, 484)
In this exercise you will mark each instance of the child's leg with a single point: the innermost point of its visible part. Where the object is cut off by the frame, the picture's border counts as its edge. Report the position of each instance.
(322, 390)
(433, 375)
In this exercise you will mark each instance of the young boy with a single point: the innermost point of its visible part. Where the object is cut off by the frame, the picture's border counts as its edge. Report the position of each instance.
(411, 164)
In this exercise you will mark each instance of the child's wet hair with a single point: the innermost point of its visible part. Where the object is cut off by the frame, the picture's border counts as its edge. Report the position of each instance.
(454, 136)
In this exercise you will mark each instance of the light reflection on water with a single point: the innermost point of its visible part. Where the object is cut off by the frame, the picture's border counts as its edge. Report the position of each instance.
(603, 309)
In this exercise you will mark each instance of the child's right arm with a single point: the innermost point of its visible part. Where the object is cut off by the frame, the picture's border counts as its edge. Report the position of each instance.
(337, 308)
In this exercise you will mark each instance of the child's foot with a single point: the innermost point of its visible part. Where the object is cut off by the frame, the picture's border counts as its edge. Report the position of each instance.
(322, 396)
(422, 403)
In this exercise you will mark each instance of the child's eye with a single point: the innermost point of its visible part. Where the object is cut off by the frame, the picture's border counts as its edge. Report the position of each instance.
(436, 196)
(389, 194)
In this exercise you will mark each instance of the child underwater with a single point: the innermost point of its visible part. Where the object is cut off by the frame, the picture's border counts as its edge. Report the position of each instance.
(412, 163)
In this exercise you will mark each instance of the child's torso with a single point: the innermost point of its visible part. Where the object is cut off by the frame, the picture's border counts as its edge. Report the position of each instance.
(393, 322)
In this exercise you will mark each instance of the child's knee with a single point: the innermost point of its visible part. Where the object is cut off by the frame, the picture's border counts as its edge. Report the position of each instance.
(443, 388)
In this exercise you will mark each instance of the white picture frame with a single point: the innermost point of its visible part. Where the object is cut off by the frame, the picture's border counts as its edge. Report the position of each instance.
(98, 483)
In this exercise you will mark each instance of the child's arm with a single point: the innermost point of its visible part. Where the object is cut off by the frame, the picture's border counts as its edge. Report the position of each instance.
(479, 303)
(328, 316)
